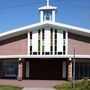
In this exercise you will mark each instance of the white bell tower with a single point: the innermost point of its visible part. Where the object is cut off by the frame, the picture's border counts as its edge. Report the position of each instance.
(47, 13)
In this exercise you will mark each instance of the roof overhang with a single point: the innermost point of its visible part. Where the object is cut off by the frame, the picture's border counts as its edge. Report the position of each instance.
(60, 26)
(47, 8)
(73, 29)
(44, 56)
(19, 31)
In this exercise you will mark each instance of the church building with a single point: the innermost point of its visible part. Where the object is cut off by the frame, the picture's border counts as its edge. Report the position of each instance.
(46, 50)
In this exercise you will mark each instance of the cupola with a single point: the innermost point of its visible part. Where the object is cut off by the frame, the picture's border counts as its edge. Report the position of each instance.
(47, 13)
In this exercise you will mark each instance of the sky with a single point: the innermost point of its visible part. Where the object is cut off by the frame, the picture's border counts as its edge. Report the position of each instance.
(18, 13)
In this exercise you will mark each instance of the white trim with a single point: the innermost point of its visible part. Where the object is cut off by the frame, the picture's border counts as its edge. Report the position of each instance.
(41, 42)
(43, 56)
(72, 27)
(53, 16)
(41, 16)
(47, 8)
(28, 43)
(23, 30)
(66, 42)
(53, 41)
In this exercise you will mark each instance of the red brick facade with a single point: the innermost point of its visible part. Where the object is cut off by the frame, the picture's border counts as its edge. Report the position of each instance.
(14, 46)
(18, 45)
(81, 44)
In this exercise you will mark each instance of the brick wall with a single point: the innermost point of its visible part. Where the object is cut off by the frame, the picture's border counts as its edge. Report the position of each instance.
(81, 44)
(14, 46)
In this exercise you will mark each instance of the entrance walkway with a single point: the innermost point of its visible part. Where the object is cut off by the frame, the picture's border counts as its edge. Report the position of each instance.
(39, 89)
(32, 83)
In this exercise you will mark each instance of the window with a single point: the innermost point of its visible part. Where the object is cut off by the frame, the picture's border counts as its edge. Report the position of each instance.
(64, 42)
(30, 50)
(43, 34)
(64, 34)
(30, 35)
(34, 53)
(51, 47)
(30, 43)
(55, 41)
(59, 53)
(39, 42)
(46, 53)
(10, 69)
(82, 69)
(42, 48)
(43, 41)
(51, 50)
(64, 49)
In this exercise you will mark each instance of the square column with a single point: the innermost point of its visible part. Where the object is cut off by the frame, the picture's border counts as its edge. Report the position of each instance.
(53, 15)
(70, 69)
(20, 70)
(41, 16)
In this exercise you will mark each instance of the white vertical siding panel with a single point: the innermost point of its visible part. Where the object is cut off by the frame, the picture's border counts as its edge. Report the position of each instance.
(66, 43)
(41, 42)
(59, 40)
(28, 43)
(47, 40)
(53, 41)
(35, 41)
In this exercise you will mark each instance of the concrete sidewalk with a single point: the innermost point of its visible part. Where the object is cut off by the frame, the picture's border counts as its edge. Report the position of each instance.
(32, 83)
(39, 89)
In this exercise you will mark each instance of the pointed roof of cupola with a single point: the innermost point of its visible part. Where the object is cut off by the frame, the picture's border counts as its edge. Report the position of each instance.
(48, 7)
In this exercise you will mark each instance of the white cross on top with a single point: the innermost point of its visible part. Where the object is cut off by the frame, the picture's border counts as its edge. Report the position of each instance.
(48, 2)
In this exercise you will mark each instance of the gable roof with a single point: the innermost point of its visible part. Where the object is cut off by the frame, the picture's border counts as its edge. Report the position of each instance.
(25, 29)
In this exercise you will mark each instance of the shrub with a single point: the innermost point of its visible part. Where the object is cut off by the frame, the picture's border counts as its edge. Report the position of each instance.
(80, 85)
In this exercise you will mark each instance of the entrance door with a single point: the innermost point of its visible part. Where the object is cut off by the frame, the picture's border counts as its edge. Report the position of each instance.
(46, 69)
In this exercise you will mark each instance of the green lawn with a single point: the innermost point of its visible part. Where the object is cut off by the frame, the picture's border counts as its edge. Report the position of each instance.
(6, 87)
